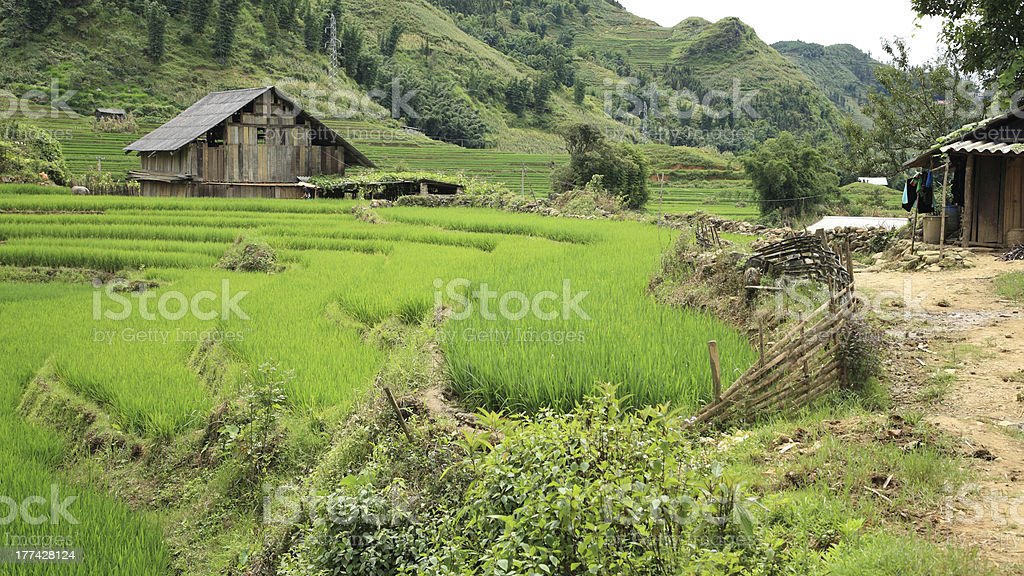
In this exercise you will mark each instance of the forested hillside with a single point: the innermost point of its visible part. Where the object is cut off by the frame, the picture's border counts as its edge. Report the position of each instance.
(843, 72)
(478, 73)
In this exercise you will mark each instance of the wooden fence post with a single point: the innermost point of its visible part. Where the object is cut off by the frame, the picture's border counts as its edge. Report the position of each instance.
(716, 374)
(398, 413)
(848, 256)
(760, 338)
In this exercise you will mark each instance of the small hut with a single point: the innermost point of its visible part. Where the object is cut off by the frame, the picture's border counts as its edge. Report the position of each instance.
(986, 167)
(111, 114)
(253, 143)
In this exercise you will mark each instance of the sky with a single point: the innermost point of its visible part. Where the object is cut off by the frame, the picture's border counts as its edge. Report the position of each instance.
(862, 23)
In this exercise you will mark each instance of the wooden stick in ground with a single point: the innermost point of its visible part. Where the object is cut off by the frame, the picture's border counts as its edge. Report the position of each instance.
(716, 375)
(945, 192)
(398, 413)
(760, 338)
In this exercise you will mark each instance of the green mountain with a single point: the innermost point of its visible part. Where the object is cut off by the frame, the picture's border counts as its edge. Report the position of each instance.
(479, 73)
(843, 72)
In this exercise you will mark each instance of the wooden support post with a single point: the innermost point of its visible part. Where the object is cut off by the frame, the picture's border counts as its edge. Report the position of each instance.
(913, 234)
(848, 256)
(398, 413)
(942, 228)
(716, 373)
(760, 338)
(967, 218)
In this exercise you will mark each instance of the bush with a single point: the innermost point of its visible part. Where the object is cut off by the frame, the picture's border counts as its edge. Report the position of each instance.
(597, 491)
(30, 155)
(249, 257)
(790, 176)
(625, 169)
(593, 200)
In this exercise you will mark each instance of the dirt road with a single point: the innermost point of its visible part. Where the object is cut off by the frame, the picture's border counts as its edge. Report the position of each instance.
(959, 357)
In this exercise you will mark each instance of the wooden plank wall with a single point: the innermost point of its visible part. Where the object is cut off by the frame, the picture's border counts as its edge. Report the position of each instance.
(988, 200)
(191, 189)
(264, 144)
(1013, 196)
(184, 161)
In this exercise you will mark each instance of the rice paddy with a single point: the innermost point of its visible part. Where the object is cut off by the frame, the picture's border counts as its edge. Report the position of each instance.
(696, 179)
(540, 312)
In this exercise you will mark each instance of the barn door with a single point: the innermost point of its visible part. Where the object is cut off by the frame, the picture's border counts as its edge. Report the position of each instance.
(988, 200)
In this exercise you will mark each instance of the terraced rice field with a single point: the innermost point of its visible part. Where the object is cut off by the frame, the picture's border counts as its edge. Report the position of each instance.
(569, 310)
(394, 149)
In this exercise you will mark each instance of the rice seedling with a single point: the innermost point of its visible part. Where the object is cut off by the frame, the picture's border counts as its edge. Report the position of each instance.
(576, 313)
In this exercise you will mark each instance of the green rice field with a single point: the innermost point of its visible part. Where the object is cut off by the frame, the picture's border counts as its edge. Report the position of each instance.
(541, 311)
(695, 179)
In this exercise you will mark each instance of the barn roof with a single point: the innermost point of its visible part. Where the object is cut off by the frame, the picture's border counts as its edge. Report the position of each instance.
(984, 137)
(213, 109)
(112, 111)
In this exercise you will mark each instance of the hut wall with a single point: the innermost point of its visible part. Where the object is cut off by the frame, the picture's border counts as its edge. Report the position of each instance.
(181, 162)
(987, 220)
(192, 189)
(1013, 202)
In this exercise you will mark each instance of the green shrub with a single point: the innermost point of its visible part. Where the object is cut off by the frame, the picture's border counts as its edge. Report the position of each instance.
(245, 256)
(625, 169)
(598, 491)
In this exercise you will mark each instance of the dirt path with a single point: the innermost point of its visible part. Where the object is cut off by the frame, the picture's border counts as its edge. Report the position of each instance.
(959, 358)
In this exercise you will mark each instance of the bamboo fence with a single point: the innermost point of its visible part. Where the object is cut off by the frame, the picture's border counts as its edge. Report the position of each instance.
(807, 361)
(707, 234)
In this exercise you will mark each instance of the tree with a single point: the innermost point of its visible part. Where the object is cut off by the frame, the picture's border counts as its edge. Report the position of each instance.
(518, 95)
(985, 36)
(447, 116)
(790, 175)
(156, 29)
(389, 39)
(198, 15)
(271, 23)
(542, 89)
(224, 35)
(624, 169)
(918, 106)
(351, 48)
(579, 92)
(312, 29)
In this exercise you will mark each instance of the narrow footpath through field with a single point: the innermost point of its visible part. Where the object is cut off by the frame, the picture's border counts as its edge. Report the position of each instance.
(957, 355)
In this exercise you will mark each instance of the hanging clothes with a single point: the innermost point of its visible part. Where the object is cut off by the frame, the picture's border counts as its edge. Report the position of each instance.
(926, 194)
(910, 194)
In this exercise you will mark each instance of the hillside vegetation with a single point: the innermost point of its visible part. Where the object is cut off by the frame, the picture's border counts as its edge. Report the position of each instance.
(474, 72)
(842, 71)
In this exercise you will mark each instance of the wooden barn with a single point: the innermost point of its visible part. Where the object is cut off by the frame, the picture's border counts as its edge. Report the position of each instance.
(987, 174)
(253, 143)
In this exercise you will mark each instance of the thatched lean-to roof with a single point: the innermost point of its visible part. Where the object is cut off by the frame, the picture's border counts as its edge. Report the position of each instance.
(217, 107)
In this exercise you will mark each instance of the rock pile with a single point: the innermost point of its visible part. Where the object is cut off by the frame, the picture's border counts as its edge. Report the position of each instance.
(863, 240)
(926, 257)
(723, 224)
